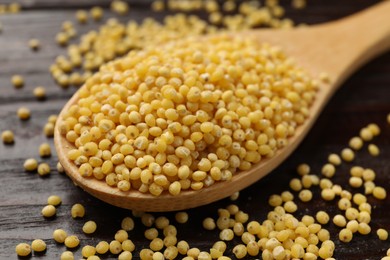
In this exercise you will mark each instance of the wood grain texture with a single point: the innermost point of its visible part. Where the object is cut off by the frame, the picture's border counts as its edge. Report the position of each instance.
(363, 99)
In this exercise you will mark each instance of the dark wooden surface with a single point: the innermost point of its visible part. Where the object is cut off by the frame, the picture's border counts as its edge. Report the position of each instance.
(363, 99)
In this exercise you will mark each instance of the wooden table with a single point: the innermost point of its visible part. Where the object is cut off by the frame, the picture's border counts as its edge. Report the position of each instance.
(363, 99)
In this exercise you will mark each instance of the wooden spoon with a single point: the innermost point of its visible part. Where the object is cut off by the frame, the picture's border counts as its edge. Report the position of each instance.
(338, 48)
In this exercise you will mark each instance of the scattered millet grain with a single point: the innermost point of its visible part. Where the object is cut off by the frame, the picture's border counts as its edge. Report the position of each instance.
(374, 128)
(115, 247)
(7, 136)
(23, 113)
(356, 143)
(38, 245)
(44, 150)
(89, 227)
(157, 5)
(345, 235)
(39, 93)
(382, 234)
(119, 7)
(81, 16)
(72, 241)
(102, 247)
(127, 224)
(379, 193)
(48, 130)
(322, 217)
(96, 13)
(366, 134)
(60, 168)
(373, 150)
(34, 44)
(88, 251)
(334, 159)
(23, 249)
(77, 211)
(67, 255)
(181, 217)
(48, 211)
(59, 235)
(30, 165)
(17, 81)
(62, 39)
(347, 154)
(43, 169)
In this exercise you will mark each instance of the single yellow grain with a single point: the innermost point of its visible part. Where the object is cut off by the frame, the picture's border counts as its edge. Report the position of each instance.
(355, 182)
(38, 245)
(334, 159)
(81, 16)
(295, 184)
(359, 198)
(115, 247)
(125, 255)
(121, 235)
(119, 7)
(373, 150)
(158, 5)
(353, 225)
(328, 170)
(364, 228)
(305, 195)
(303, 169)
(181, 217)
(366, 134)
(30, 164)
(7, 136)
(24, 113)
(347, 154)
(48, 211)
(60, 168)
(382, 234)
(39, 93)
(102, 247)
(356, 143)
(23, 249)
(344, 203)
(89, 227)
(54, 200)
(345, 235)
(62, 39)
(96, 13)
(322, 217)
(67, 255)
(17, 81)
(34, 44)
(374, 128)
(59, 235)
(44, 150)
(127, 224)
(240, 251)
(379, 193)
(339, 220)
(77, 211)
(71, 241)
(43, 169)
(48, 130)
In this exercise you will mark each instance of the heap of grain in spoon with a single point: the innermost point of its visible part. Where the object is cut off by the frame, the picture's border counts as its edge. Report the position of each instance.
(187, 114)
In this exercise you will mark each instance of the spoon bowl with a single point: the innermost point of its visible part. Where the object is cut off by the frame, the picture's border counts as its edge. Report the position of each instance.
(338, 48)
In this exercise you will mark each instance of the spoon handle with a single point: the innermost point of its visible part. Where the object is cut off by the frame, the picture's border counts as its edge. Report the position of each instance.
(353, 41)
